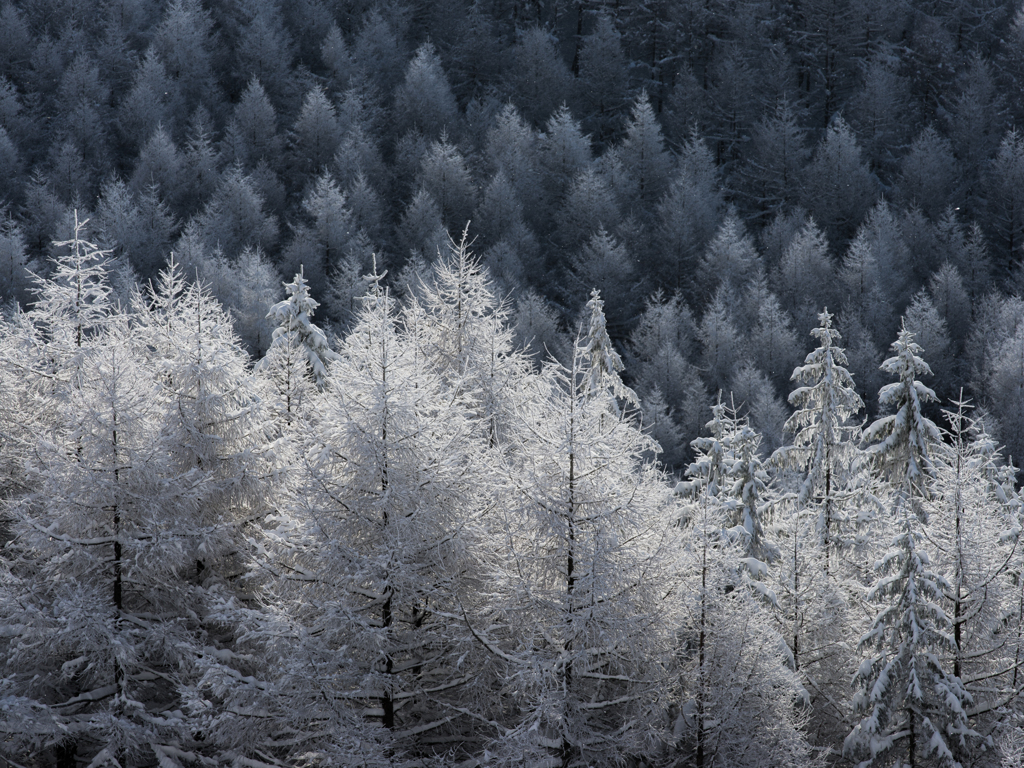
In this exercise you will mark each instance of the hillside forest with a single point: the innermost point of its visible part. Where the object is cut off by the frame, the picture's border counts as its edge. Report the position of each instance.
(511, 382)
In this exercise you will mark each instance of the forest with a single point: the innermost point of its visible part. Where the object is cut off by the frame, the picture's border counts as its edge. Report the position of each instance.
(511, 382)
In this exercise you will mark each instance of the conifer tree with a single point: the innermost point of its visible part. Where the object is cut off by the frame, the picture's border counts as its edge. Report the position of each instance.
(825, 442)
(293, 316)
(580, 623)
(911, 703)
(975, 526)
(376, 556)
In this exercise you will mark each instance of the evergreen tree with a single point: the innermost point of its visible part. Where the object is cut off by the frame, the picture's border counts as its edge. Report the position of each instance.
(912, 703)
(640, 166)
(293, 316)
(824, 448)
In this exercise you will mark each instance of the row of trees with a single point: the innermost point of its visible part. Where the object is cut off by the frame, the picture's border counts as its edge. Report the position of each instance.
(415, 545)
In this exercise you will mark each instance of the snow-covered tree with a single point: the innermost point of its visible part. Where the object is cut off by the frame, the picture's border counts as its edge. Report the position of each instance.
(464, 334)
(579, 620)
(142, 482)
(738, 696)
(900, 444)
(424, 100)
(911, 702)
(372, 567)
(825, 439)
(913, 706)
(294, 318)
(975, 527)
(839, 188)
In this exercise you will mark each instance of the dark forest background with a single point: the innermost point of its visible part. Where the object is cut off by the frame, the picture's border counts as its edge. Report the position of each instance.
(720, 171)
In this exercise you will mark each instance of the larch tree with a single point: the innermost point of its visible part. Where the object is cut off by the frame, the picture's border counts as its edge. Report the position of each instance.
(132, 522)
(465, 337)
(737, 693)
(975, 529)
(375, 557)
(579, 618)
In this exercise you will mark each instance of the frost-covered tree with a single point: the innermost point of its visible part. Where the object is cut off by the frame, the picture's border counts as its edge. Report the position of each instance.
(737, 693)
(140, 490)
(688, 217)
(320, 245)
(838, 186)
(445, 174)
(825, 441)
(424, 100)
(565, 152)
(975, 526)
(603, 264)
(928, 176)
(294, 318)
(538, 77)
(585, 532)
(720, 342)
(911, 702)
(15, 264)
(806, 276)
(775, 164)
(640, 165)
(774, 347)
(900, 444)
(315, 136)
(601, 79)
(930, 332)
(154, 101)
(464, 335)
(589, 205)
(913, 705)
(251, 134)
(731, 259)
(374, 565)
(234, 217)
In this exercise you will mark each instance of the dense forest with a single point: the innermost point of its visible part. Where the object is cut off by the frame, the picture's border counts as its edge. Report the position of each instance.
(511, 383)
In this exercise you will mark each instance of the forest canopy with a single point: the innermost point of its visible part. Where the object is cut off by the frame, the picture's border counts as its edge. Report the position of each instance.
(511, 383)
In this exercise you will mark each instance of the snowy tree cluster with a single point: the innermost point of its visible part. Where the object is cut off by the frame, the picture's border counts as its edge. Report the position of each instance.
(412, 545)
(719, 171)
(288, 477)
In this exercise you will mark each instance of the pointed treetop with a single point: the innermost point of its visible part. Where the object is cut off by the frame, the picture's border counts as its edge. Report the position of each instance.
(603, 362)
(900, 444)
(293, 317)
(74, 301)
